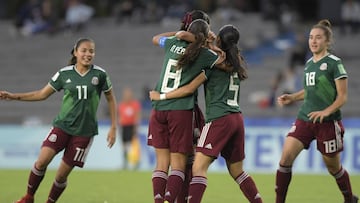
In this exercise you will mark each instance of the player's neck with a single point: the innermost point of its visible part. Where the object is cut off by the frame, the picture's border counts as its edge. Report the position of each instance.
(318, 56)
(81, 69)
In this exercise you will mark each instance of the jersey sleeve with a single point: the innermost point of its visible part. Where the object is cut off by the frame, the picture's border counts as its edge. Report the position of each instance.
(107, 84)
(56, 82)
(210, 58)
(167, 42)
(339, 71)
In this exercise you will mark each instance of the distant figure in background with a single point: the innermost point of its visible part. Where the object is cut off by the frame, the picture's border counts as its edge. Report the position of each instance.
(76, 124)
(34, 17)
(129, 113)
(287, 80)
(319, 118)
(77, 15)
(350, 16)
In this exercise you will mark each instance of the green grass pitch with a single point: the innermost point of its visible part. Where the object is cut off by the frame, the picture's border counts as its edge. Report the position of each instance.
(86, 186)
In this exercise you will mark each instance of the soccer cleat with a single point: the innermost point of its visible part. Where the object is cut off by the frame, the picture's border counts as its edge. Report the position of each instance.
(26, 199)
(355, 199)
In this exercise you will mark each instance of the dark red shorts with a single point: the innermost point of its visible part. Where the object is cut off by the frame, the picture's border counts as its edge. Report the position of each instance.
(76, 147)
(171, 130)
(328, 135)
(224, 136)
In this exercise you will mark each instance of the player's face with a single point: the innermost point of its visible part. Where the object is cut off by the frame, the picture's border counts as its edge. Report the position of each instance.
(85, 53)
(318, 43)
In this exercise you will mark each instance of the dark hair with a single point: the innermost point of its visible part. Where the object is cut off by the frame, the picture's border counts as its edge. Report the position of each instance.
(325, 25)
(229, 37)
(72, 61)
(200, 29)
(191, 16)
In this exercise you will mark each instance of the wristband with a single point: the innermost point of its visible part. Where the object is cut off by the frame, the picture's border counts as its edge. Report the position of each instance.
(162, 96)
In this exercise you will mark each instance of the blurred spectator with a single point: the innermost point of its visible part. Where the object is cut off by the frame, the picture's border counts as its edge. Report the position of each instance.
(350, 16)
(125, 9)
(226, 12)
(287, 80)
(77, 14)
(129, 113)
(33, 17)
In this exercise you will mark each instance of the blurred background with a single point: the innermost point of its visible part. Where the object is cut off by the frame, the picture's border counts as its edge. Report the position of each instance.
(36, 37)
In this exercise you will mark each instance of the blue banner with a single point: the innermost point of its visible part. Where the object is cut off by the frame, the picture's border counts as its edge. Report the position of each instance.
(20, 146)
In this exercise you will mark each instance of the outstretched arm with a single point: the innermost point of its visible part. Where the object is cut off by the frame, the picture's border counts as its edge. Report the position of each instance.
(112, 109)
(37, 95)
(156, 38)
(180, 92)
(286, 99)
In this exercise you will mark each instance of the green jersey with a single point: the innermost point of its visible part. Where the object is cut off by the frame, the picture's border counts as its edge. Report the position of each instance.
(222, 91)
(319, 86)
(81, 98)
(172, 78)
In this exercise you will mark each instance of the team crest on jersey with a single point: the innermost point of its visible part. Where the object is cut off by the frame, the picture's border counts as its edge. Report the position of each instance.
(323, 66)
(95, 81)
(52, 138)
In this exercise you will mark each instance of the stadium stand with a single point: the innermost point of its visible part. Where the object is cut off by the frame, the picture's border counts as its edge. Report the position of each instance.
(127, 54)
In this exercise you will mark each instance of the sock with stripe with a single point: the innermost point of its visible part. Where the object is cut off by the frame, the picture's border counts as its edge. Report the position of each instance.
(174, 185)
(159, 180)
(248, 187)
(197, 188)
(35, 178)
(56, 190)
(343, 181)
(283, 178)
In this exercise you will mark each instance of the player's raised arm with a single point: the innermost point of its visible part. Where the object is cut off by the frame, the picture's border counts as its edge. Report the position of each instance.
(37, 95)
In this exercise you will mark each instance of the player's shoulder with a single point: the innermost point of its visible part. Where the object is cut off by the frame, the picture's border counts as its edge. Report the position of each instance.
(67, 68)
(332, 57)
(98, 68)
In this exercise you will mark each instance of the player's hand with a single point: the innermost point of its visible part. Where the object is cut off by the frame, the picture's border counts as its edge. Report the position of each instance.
(154, 95)
(211, 37)
(284, 99)
(111, 138)
(318, 116)
(4, 95)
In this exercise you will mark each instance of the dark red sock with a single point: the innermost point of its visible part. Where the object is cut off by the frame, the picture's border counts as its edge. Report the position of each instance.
(35, 178)
(343, 181)
(283, 178)
(56, 190)
(159, 179)
(174, 185)
(184, 192)
(248, 187)
(197, 188)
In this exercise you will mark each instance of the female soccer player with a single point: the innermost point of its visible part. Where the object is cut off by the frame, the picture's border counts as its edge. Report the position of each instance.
(319, 117)
(170, 125)
(76, 124)
(224, 130)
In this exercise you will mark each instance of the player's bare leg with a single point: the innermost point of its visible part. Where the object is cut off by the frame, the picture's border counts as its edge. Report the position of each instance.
(177, 176)
(199, 181)
(341, 176)
(245, 182)
(37, 174)
(291, 149)
(60, 182)
(160, 174)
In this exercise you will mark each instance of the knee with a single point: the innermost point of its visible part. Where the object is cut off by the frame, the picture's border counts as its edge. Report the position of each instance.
(333, 169)
(287, 160)
(41, 165)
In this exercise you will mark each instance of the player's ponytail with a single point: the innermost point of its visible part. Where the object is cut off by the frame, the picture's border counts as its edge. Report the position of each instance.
(229, 38)
(200, 29)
